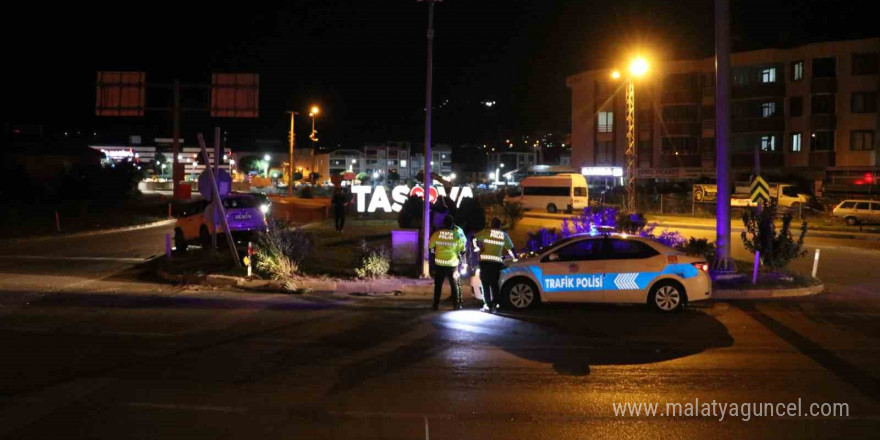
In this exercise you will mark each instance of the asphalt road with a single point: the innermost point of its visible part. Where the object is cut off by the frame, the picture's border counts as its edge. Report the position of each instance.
(92, 348)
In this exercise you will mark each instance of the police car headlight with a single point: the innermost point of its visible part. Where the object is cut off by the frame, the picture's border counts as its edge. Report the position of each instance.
(264, 208)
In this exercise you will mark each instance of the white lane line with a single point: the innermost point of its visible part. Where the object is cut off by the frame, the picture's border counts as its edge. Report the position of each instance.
(60, 258)
(181, 407)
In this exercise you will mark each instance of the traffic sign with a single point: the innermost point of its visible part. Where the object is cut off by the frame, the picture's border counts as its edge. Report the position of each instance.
(759, 190)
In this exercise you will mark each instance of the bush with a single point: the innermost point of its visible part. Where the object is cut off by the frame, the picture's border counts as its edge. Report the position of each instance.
(698, 247)
(373, 262)
(306, 192)
(510, 213)
(280, 250)
(541, 238)
(592, 218)
(778, 249)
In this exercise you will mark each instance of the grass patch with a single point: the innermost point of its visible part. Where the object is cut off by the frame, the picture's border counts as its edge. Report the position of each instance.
(336, 254)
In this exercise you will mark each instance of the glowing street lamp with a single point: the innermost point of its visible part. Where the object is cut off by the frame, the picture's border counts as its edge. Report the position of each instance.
(638, 67)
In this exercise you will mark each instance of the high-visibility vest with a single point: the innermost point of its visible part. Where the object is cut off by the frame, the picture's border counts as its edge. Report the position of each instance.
(493, 243)
(447, 244)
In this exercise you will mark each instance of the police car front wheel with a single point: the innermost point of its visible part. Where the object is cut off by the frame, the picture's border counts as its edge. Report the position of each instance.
(520, 294)
(667, 297)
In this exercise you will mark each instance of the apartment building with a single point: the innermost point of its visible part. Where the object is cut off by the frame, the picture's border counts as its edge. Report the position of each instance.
(810, 111)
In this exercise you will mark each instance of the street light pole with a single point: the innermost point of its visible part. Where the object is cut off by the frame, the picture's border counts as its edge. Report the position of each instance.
(426, 217)
(631, 145)
(723, 263)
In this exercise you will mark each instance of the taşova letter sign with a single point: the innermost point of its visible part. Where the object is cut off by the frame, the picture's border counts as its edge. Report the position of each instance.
(378, 196)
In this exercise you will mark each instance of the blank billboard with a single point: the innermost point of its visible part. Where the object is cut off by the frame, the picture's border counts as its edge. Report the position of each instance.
(120, 94)
(235, 95)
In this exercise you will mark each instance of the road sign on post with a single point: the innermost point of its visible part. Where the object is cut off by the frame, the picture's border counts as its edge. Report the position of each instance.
(759, 190)
(120, 94)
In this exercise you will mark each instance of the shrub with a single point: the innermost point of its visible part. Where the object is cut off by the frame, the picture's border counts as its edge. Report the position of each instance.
(280, 250)
(777, 249)
(541, 238)
(510, 213)
(373, 262)
(698, 247)
(593, 217)
(306, 192)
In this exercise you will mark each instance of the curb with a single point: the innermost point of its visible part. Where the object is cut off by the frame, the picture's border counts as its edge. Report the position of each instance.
(726, 295)
(91, 233)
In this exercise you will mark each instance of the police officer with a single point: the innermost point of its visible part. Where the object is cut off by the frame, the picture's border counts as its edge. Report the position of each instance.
(448, 244)
(492, 243)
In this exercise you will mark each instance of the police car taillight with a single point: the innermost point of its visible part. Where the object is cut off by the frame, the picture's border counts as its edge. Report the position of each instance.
(702, 266)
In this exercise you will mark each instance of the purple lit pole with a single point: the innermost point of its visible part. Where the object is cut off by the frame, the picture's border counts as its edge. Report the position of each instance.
(426, 218)
(723, 263)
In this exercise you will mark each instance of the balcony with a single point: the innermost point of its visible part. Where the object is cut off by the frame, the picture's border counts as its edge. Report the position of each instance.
(823, 122)
(761, 90)
(679, 96)
(708, 160)
(708, 124)
(709, 91)
(823, 85)
(683, 128)
(644, 160)
(758, 125)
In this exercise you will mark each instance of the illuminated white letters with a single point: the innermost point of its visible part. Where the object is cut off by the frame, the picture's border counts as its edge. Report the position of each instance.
(379, 200)
(398, 194)
(361, 191)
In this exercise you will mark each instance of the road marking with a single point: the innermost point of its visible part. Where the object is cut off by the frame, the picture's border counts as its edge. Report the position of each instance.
(180, 407)
(58, 258)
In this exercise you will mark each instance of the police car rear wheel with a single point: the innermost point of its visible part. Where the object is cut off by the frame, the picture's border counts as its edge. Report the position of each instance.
(667, 297)
(521, 295)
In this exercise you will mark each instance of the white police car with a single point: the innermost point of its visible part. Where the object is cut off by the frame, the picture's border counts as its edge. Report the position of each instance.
(606, 268)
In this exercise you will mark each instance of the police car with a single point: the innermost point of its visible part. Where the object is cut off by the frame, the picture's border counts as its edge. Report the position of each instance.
(606, 268)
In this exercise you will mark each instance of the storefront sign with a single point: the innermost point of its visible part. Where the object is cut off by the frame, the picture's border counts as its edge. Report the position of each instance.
(602, 171)
(371, 199)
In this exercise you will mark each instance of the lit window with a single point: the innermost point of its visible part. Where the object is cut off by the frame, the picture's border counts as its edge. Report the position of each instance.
(797, 70)
(403, 163)
(768, 109)
(606, 122)
(768, 75)
(796, 143)
(768, 143)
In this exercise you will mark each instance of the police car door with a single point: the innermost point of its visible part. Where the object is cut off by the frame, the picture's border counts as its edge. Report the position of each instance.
(574, 272)
(631, 268)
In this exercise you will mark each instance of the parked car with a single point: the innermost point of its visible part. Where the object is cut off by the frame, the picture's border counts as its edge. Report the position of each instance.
(560, 192)
(855, 212)
(244, 214)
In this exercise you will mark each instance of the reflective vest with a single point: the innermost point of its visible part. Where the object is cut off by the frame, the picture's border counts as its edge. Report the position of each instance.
(493, 243)
(447, 244)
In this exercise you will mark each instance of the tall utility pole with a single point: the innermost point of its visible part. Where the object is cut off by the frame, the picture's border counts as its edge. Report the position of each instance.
(292, 144)
(723, 263)
(426, 218)
(631, 145)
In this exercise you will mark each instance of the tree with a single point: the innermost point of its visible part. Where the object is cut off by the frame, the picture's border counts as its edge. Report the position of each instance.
(251, 163)
(158, 160)
(777, 249)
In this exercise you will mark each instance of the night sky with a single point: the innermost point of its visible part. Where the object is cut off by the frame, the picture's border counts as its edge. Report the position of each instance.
(363, 62)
